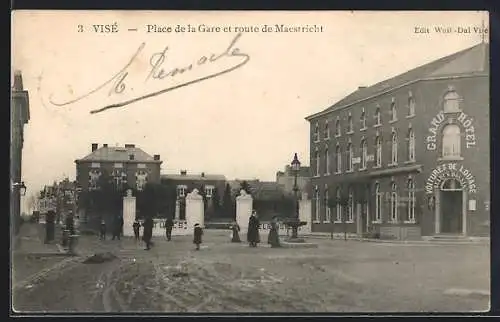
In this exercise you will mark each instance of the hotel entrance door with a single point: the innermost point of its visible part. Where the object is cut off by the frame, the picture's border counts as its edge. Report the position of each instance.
(451, 207)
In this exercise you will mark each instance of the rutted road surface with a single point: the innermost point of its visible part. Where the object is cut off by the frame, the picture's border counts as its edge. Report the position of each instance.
(226, 277)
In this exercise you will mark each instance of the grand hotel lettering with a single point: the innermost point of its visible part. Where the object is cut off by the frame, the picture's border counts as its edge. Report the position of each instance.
(450, 170)
(462, 118)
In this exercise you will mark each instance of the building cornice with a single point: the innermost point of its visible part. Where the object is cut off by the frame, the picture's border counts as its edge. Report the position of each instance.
(118, 161)
(392, 89)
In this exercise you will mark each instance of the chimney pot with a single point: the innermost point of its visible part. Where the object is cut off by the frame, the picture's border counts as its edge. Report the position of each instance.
(183, 172)
(156, 157)
(105, 145)
(203, 174)
(131, 157)
(18, 81)
(94, 146)
(129, 146)
(361, 87)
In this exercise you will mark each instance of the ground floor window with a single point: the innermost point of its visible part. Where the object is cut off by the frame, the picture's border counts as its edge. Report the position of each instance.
(394, 202)
(350, 217)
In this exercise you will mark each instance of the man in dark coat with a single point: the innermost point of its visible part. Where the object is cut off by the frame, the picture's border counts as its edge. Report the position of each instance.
(273, 238)
(253, 237)
(117, 227)
(169, 224)
(147, 232)
(198, 232)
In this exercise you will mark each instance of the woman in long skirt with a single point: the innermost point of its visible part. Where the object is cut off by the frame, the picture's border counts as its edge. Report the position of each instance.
(235, 236)
(273, 238)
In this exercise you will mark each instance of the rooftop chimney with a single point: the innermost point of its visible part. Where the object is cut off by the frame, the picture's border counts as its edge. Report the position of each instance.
(361, 87)
(203, 174)
(131, 157)
(156, 157)
(128, 146)
(18, 81)
(183, 172)
(105, 145)
(94, 146)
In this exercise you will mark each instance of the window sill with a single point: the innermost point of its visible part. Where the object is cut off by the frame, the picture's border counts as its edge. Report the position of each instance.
(392, 165)
(316, 141)
(410, 116)
(410, 161)
(316, 177)
(377, 125)
(393, 121)
(363, 169)
(326, 222)
(338, 135)
(393, 222)
(337, 222)
(452, 112)
(338, 172)
(316, 222)
(377, 167)
(450, 159)
(350, 222)
(410, 222)
(349, 171)
(377, 222)
(349, 133)
(363, 129)
(327, 138)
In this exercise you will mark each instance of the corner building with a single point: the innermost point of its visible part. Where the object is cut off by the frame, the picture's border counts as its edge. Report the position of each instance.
(409, 156)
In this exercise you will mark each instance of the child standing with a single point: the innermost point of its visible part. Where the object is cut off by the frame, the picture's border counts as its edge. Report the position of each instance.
(103, 230)
(136, 226)
(198, 232)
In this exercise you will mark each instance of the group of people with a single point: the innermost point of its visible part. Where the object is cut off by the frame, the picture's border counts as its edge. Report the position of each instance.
(116, 228)
(253, 236)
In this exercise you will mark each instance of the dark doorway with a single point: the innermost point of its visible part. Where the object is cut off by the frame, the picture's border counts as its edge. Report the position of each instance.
(451, 212)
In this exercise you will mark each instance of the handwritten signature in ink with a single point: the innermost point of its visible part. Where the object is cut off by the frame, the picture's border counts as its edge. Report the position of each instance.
(119, 83)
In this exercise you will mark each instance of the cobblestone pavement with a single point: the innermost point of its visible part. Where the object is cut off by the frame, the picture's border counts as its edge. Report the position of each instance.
(337, 276)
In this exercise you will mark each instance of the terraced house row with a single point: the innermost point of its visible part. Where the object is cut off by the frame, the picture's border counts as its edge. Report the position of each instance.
(410, 155)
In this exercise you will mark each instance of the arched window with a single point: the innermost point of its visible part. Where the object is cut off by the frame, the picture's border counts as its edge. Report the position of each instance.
(317, 204)
(141, 178)
(350, 125)
(394, 113)
(327, 206)
(316, 133)
(362, 120)
(338, 206)
(119, 178)
(338, 157)
(338, 131)
(378, 155)
(327, 161)
(94, 176)
(378, 203)
(411, 200)
(377, 116)
(411, 106)
(327, 130)
(318, 160)
(451, 141)
(394, 148)
(350, 214)
(364, 154)
(394, 202)
(411, 145)
(349, 157)
(451, 102)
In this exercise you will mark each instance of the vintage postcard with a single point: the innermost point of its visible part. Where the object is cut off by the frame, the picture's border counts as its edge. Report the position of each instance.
(228, 162)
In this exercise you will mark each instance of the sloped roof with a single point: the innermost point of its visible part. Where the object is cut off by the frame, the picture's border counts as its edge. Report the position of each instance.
(119, 154)
(194, 177)
(473, 60)
(263, 190)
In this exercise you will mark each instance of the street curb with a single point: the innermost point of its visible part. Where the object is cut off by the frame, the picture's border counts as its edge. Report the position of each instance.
(433, 242)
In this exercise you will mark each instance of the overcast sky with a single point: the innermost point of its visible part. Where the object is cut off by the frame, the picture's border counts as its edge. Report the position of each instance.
(246, 123)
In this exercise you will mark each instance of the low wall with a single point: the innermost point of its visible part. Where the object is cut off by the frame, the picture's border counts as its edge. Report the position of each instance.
(400, 232)
(180, 228)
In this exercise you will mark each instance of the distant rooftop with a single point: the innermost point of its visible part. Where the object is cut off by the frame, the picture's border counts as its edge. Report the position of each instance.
(183, 175)
(127, 153)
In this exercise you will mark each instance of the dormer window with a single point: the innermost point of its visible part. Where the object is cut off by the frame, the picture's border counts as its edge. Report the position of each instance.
(451, 102)
(338, 131)
(393, 111)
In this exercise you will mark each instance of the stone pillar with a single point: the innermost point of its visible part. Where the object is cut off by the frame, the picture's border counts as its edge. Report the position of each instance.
(195, 213)
(244, 207)
(128, 213)
(305, 214)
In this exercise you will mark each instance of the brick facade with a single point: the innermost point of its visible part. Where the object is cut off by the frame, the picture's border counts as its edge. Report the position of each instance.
(467, 212)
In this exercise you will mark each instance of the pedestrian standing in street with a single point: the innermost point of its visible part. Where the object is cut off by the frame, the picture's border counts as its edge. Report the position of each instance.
(117, 228)
(235, 233)
(273, 238)
(103, 230)
(148, 232)
(136, 226)
(253, 237)
(169, 224)
(198, 232)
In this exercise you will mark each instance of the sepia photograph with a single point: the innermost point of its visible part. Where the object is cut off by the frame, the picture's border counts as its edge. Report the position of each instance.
(208, 162)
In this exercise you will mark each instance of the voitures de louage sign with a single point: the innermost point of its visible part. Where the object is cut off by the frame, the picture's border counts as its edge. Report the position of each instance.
(450, 170)
(462, 118)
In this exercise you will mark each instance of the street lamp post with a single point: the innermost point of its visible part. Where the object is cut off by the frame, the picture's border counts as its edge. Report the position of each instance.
(295, 168)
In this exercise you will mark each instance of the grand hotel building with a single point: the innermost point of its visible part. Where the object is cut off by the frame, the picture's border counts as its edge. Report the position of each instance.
(409, 156)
